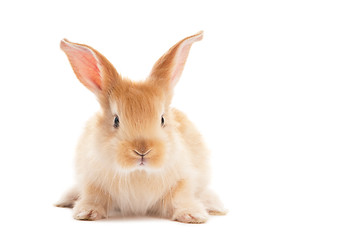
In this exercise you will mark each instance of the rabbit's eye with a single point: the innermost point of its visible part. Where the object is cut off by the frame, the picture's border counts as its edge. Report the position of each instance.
(116, 121)
(162, 121)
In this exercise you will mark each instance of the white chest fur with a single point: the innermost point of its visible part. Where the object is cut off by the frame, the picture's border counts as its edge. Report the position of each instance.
(137, 192)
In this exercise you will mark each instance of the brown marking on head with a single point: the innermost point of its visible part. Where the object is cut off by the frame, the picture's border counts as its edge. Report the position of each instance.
(139, 106)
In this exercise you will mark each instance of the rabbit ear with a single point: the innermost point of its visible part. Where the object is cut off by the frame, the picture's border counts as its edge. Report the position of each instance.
(91, 68)
(168, 69)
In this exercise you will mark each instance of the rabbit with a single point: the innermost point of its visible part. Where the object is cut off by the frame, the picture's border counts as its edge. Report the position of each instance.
(138, 155)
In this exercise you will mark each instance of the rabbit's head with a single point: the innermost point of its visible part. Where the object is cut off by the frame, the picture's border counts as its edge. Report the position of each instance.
(135, 122)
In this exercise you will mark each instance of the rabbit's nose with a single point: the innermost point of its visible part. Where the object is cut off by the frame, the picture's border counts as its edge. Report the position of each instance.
(142, 153)
(141, 147)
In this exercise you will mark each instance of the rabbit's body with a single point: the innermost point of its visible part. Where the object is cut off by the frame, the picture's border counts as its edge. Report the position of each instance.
(138, 192)
(127, 159)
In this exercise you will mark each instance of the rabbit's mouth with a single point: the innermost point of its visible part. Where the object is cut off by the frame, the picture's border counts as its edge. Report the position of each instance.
(142, 161)
(142, 154)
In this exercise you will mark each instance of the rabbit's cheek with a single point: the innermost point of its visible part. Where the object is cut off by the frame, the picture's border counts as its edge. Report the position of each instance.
(125, 155)
(155, 158)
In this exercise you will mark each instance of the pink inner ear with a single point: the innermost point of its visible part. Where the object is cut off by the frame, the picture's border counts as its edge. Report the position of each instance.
(88, 69)
(179, 64)
(85, 65)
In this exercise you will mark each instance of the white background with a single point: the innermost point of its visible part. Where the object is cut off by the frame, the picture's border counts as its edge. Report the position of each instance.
(275, 88)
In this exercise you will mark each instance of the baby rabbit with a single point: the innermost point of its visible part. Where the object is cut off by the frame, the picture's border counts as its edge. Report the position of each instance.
(138, 155)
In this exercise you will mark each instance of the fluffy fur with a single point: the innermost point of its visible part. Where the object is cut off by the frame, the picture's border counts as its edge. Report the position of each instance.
(138, 166)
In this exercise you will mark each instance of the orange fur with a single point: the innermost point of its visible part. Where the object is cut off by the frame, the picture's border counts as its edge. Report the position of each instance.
(139, 166)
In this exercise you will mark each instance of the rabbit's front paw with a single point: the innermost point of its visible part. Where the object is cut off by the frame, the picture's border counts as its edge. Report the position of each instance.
(88, 212)
(191, 216)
